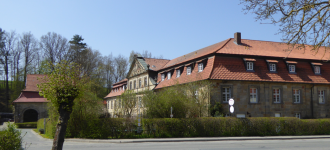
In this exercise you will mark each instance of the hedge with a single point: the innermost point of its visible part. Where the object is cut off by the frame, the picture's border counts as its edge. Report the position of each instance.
(26, 125)
(198, 127)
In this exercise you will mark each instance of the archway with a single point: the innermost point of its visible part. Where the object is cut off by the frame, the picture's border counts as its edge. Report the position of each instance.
(30, 115)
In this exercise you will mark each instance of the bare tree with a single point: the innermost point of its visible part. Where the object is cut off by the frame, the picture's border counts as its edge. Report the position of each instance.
(30, 47)
(108, 71)
(301, 21)
(120, 71)
(54, 46)
(8, 39)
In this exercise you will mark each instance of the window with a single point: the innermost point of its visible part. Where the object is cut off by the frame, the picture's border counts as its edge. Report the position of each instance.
(317, 69)
(298, 115)
(140, 102)
(135, 84)
(168, 75)
(145, 82)
(320, 94)
(188, 70)
(130, 85)
(272, 67)
(108, 104)
(112, 104)
(296, 95)
(276, 95)
(163, 77)
(140, 83)
(253, 95)
(226, 94)
(200, 67)
(123, 87)
(277, 114)
(196, 96)
(249, 66)
(292, 68)
(178, 73)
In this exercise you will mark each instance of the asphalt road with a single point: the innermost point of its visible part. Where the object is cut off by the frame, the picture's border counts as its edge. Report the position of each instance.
(34, 142)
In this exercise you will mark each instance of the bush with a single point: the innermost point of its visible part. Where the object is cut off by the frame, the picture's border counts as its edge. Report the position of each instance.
(27, 125)
(10, 138)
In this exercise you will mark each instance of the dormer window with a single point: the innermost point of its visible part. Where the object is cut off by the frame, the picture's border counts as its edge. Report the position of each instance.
(168, 75)
(291, 66)
(249, 63)
(272, 67)
(163, 77)
(200, 67)
(188, 70)
(178, 73)
(317, 68)
(249, 66)
(272, 64)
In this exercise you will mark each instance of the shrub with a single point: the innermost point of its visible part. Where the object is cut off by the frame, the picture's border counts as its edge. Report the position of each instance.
(10, 138)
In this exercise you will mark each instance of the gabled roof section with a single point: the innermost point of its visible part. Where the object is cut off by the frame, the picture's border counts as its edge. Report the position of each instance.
(155, 64)
(32, 80)
(114, 94)
(274, 49)
(30, 97)
(196, 54)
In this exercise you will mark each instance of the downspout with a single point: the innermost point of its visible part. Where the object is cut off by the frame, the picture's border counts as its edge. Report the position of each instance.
(312, 108)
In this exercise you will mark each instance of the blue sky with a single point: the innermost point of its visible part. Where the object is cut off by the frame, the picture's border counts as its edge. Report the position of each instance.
(170, 28)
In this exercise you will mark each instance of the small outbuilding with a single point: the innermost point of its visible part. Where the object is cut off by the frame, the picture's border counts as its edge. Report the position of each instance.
(30, 106)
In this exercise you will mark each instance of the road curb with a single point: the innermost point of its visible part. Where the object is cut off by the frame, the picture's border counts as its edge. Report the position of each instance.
(194, 139)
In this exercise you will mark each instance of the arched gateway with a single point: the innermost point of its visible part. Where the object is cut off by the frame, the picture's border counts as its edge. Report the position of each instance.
(30, 115)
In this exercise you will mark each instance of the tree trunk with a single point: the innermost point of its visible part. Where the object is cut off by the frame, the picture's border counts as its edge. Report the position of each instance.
(61, 127)
(7, 86)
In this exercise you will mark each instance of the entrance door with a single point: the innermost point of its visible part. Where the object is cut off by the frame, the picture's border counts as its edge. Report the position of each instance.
(30, 115)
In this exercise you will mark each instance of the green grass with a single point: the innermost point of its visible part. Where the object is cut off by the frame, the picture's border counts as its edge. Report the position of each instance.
(43, 135)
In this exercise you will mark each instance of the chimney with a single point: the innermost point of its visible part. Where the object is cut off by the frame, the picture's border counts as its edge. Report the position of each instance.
(237, 38)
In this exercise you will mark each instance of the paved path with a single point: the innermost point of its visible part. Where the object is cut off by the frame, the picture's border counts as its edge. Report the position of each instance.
(33, 141)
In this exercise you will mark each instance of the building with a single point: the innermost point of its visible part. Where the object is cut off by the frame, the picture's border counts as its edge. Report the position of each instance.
(30, 106)
(266, 79)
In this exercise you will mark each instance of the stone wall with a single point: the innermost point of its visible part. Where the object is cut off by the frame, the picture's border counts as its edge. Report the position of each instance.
(309, 106)
(20, 108)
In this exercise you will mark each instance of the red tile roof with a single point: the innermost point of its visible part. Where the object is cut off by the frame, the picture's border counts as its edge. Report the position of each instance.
(196, 54)
(114, 94)
(232, 68)
(30, 97)
(273, 49)
(184, 78)
(32, 80)
(156, 64)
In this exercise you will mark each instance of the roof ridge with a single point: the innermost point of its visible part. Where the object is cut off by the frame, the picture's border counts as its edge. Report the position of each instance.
(156, 58)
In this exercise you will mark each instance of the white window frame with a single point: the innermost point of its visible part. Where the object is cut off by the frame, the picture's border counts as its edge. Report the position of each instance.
(145, 82)
(298, 115)
(168, 75)
(163, 76)
(321, 96)
(317, 69)
(188, 70)
(200, 67)
(226, 93)
(249, 65)
(277, 114)
(277, 96)
(140, 83)
(296, 96)
(292, 68)
(272, 67)
(253, 95)
(178, 73)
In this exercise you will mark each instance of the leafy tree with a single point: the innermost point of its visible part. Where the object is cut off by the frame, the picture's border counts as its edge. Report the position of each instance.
(216, 110)
(62, 87)
(127, 103)
(301, 21)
